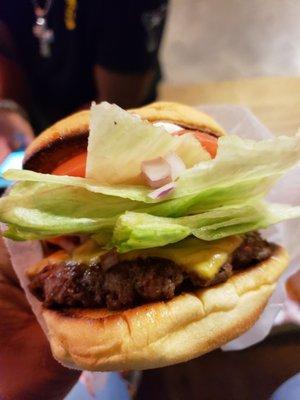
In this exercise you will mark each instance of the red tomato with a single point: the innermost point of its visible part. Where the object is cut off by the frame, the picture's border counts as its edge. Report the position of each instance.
(75, 166)
(209, 142)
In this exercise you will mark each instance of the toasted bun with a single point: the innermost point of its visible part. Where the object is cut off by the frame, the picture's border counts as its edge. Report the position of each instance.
(63, 140)
(68, 137)
(163, 333)
(180, 114)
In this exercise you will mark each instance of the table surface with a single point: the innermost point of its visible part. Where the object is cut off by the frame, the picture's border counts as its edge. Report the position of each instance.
(251, 374)
(274, 100)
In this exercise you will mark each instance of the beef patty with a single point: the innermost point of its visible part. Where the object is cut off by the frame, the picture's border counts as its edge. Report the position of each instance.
(130, 283)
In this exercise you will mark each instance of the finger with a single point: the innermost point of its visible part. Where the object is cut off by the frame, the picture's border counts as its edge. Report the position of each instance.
(15, 129)
(4, 149)
(20, 126)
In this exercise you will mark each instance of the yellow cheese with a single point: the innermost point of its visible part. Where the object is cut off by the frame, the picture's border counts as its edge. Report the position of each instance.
(88, 252)
(194, 255)
(54, 258)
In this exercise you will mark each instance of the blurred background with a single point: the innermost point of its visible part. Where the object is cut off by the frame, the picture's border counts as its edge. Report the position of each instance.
(209, 40)
(235, 52)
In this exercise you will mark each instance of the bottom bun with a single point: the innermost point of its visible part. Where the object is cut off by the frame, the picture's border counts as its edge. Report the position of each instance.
(163, 333)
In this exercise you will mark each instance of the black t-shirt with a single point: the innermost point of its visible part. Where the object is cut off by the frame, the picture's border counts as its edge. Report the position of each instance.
(123, 36)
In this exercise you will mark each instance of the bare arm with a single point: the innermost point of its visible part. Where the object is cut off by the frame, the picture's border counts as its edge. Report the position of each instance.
(126, 50)
(12, 124)
(12, 82)
(126, 90)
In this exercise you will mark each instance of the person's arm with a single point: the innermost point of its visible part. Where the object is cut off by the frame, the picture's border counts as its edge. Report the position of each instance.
(27, 368)
(15, 129)
(127, 42)
(126, 90)
(12, 81)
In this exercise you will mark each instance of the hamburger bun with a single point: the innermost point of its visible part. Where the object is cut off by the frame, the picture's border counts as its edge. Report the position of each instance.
(68, 137)
(180, 114)
(163, 333)
(159, 333)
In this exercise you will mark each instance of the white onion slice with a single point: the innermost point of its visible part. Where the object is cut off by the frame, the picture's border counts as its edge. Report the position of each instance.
(156, 172)
(168, 126)
(162, 191)
(109, 259)
(176, 164)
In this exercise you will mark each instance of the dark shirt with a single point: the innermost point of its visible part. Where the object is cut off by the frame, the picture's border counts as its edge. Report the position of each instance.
(122, 36)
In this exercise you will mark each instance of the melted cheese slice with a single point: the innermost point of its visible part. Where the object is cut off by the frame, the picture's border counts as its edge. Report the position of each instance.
(193, 255)
(54, 258)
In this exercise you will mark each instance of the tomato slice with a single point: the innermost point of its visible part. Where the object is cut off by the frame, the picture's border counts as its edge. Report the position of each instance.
(209, 142)
(75, 166)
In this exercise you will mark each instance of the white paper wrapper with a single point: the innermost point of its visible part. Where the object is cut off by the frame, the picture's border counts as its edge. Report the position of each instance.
(22, 256)
(239, 121)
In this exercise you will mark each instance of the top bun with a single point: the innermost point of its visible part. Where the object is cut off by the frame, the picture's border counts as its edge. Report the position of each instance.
(68, 137)
(180, 114)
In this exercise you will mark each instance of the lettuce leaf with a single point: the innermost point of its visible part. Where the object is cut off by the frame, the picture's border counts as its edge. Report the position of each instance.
(253, 165)
(52, 211)
(242, 161)
(49, 209)
(206, 199)
(35, 210)
(232, 184)
(135, 193)
(140, 231)
(119, 142)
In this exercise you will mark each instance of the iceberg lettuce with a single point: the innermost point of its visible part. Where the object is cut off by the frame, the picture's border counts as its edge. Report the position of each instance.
(212, 199)
(140, 231)
(253, 165)
(119, 142)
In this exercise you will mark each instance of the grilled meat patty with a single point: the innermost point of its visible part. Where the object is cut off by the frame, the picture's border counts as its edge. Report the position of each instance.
(130, 283)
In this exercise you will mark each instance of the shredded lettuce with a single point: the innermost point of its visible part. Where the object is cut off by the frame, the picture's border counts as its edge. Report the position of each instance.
(50, 209)
(136, 193)
(240, 161)
(140, 231)
(38, 210)
(120, 141)
(212, 199)
(253, 165)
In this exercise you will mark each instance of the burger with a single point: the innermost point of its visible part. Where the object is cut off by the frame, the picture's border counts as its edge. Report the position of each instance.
(149, 223)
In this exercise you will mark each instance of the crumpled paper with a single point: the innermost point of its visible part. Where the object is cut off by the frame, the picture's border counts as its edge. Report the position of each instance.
(241, 121)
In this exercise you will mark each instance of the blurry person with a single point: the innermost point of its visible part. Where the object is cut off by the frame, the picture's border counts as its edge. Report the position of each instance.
(58, 55)
(15, 129)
